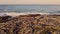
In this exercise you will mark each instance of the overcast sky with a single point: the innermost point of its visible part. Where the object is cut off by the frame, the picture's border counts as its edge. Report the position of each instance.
(29, 1)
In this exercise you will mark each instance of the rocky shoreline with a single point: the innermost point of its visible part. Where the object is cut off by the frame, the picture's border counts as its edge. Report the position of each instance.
(30, 24)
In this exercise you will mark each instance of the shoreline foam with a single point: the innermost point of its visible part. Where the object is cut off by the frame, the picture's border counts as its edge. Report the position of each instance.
(22, 13)
(13, 14)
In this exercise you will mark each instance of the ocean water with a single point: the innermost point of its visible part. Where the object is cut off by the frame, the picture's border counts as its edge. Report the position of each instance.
(30, 8)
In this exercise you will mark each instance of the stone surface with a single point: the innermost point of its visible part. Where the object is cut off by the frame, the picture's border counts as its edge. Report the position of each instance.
(30, 24)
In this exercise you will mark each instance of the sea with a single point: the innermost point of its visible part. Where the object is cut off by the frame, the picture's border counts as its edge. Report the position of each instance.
(27, 9)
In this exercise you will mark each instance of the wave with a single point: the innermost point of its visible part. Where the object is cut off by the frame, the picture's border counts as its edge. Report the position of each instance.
(21, 13)
(13, 14)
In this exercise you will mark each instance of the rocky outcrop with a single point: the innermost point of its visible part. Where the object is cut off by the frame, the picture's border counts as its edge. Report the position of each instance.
(31, 24)
(4, 18)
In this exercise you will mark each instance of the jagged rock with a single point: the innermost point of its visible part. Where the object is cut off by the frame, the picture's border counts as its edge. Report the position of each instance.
(4, 18)
(30, 24)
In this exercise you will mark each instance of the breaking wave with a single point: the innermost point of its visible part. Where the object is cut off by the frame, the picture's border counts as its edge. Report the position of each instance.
(22, 13)
(26, 13)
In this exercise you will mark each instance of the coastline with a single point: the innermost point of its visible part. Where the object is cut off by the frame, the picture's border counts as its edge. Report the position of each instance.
(13, 14)
(33, 23)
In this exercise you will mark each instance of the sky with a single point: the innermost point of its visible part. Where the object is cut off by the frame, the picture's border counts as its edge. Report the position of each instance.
(29, 1)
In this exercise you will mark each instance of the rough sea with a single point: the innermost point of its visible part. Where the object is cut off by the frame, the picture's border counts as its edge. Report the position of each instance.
(29, 9)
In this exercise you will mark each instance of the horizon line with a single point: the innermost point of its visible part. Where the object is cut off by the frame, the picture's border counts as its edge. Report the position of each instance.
(29, 4)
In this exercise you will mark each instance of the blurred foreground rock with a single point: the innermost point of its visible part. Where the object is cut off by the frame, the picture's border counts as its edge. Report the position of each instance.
(30, 24)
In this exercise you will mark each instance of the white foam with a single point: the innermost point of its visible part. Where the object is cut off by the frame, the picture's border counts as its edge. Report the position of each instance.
(23, 13)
